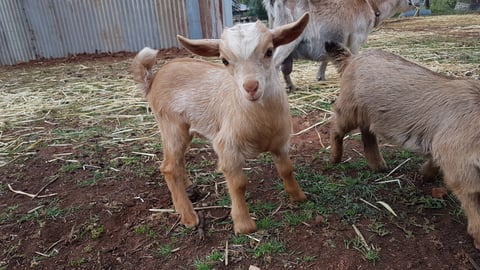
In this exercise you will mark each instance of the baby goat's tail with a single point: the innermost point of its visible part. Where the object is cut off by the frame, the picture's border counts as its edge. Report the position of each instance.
(142, 68)
(339, 54)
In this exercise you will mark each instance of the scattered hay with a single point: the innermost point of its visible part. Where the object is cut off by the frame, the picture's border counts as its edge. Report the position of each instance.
(56, 104)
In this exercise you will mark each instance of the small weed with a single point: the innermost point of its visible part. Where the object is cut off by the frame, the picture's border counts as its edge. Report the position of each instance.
(369, 253)
(225, 201)
(307, 259)
(77, 262)
(265, 158)
(2, 188)
(165, 251)
(268, 248)
(87, 249)
(240, 239)
(97, 231)
(428, 202)
(97, 175)
(43, 213)
(263, 208)
(71, 167)
(268, 223)
(145, 230)
(296, 218)
(330, 243)
(209, 261)
(378, 228)
(197, 140)
(7, 214)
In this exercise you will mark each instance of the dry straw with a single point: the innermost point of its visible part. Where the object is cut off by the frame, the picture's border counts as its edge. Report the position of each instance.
(57, 104)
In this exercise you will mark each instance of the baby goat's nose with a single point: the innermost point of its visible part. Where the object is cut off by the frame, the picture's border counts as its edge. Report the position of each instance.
(251, 87)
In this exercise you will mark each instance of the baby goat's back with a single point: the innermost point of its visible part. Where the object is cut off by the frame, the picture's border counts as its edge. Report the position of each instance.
(408, 104)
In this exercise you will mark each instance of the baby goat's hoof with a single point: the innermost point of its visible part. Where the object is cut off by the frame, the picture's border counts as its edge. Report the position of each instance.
(244, 226)
(477, 244)
(378, 166)
(190, 220)
(298, 197)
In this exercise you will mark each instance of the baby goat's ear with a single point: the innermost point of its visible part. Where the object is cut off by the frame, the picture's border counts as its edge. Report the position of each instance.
(202, 47)
(289, 32)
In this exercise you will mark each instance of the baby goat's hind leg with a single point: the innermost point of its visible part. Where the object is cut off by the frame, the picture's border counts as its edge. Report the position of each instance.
(429, 170)
(372, 153)
(285, 170)
(176, 139)
(337, 132)
(464, 185)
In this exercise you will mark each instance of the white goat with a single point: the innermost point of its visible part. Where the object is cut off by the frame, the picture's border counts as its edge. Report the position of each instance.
(409, 105)
(345, 21)
(239, 106)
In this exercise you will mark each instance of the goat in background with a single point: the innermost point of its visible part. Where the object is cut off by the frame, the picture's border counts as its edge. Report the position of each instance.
(345, 21)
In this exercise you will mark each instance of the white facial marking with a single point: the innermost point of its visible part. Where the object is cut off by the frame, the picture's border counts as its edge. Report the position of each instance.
(242, 39)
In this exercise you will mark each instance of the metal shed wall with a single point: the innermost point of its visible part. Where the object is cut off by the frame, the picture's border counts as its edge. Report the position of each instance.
(32, 29)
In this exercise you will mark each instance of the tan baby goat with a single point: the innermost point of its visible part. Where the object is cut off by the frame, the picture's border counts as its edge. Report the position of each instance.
(409, 105)
(240, 106)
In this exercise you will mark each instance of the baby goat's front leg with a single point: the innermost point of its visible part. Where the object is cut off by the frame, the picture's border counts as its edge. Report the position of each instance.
(285, 170)
(237, 186)
(230, 163)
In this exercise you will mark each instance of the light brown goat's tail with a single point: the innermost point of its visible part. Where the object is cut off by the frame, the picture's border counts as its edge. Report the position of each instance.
(142, 68)
(339, 54)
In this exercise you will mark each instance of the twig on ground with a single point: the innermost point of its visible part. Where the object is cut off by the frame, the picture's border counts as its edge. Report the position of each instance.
(392, 171)
(310, 127)
(173, 226)
(33, 196)
(360, 235)
(226, 252)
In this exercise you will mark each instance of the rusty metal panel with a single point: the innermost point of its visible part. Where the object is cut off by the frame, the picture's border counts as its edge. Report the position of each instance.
(32, 29)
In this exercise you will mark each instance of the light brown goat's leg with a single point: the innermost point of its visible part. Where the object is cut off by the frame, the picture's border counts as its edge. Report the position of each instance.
(471, 207)
(464, 184)
(336, 141)
(372, 153)
(285, 170)
(237, 186)
(429, 170)
(175, 143)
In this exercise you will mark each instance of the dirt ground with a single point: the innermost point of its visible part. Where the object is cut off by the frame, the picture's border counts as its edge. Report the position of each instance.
(77, 202)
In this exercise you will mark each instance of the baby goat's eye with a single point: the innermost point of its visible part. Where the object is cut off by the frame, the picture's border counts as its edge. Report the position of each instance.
(224, 61)
(269, 53)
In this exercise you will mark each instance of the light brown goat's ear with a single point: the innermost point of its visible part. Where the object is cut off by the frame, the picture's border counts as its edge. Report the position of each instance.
(289, 32)
(202, 47)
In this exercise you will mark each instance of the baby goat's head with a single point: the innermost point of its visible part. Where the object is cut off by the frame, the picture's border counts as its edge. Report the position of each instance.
(246, 50)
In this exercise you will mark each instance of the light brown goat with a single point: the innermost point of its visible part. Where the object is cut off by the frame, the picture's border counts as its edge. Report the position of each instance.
(421, 110)
(346, 21)
(239, 106)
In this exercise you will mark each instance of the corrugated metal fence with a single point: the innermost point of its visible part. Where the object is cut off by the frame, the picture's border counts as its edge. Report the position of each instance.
(32, 29)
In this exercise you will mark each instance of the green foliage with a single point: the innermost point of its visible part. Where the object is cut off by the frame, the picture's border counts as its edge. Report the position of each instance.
(442, 6)
(369, 253)
(71, 167)
(267, 223)
(209, 261)
(165, 251)
(77, 262)
(257, 9)
(145, 230)
(268, 248)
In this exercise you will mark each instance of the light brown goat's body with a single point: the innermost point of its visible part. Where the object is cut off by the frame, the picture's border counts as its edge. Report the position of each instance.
(240, 107)
(409, 105)
(345, 21)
